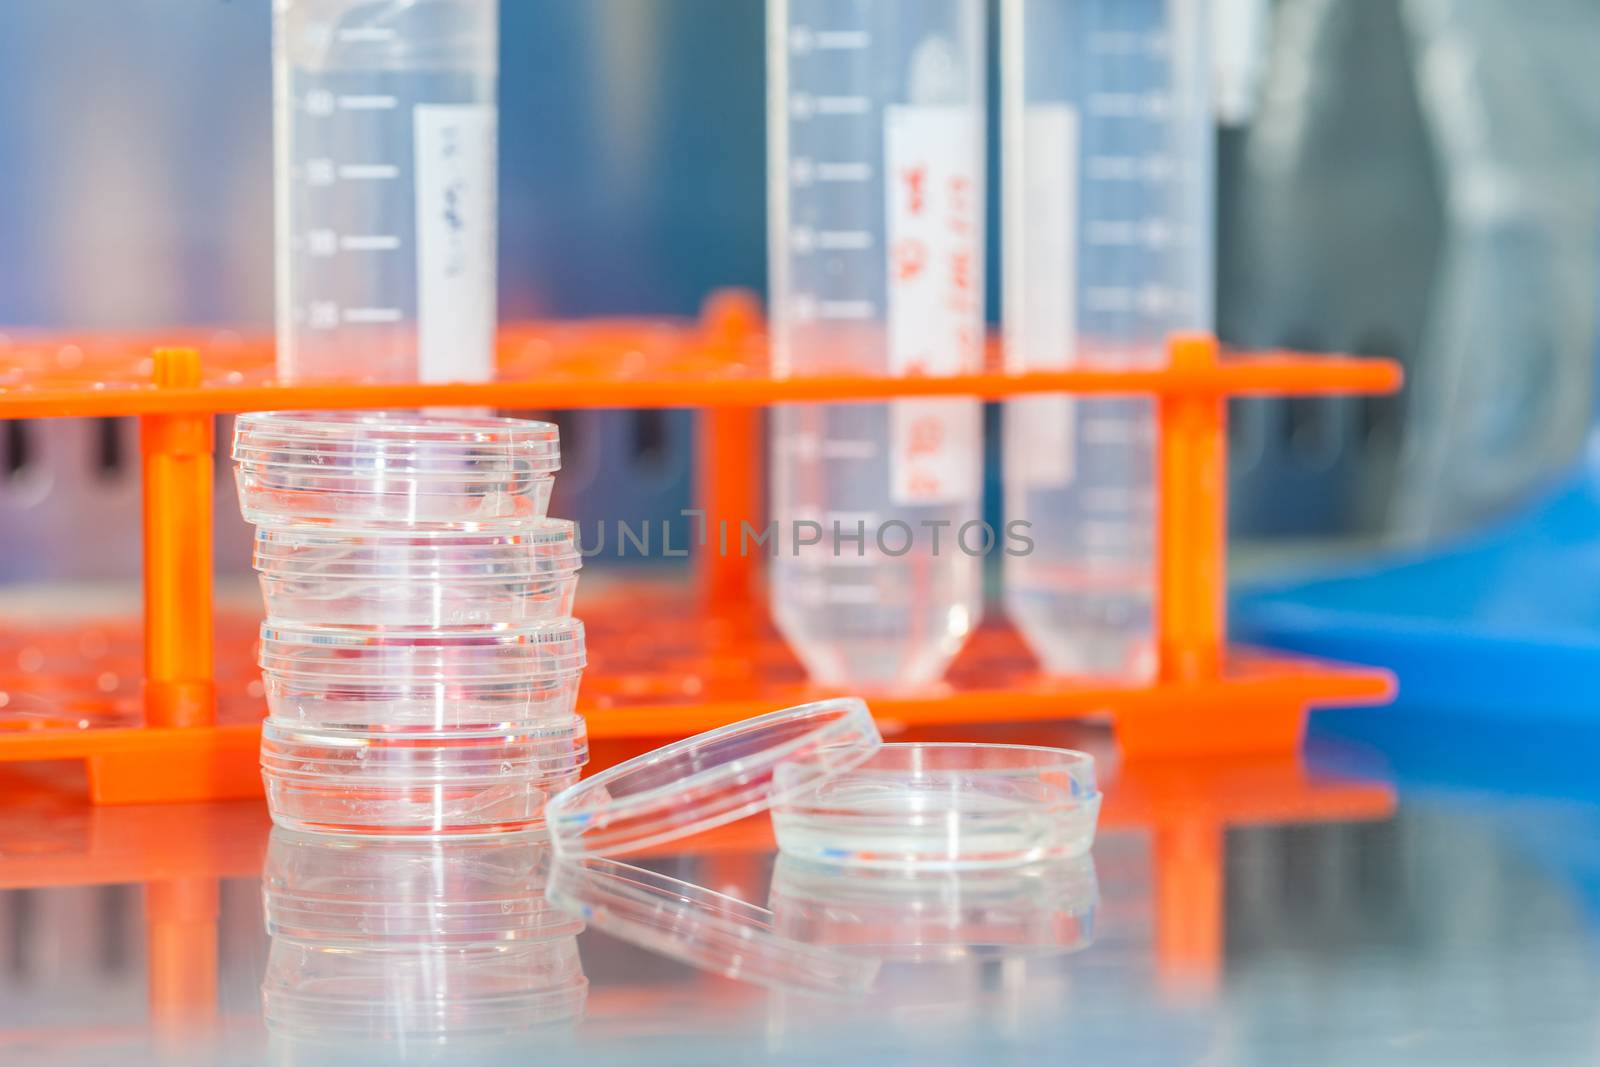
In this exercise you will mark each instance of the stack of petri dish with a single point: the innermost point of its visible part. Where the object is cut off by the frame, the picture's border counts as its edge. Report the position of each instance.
(420, 658)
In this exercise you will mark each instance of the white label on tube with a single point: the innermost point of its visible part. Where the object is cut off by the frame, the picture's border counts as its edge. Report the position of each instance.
(938, 451)
(1041, 440)
(1045, 335)
(936, 291)
(456, 235)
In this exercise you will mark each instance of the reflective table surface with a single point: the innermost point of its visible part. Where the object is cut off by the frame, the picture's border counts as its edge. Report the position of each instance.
(1429, 894)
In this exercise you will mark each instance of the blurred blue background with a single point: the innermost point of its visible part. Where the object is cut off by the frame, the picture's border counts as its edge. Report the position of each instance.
(136, 158)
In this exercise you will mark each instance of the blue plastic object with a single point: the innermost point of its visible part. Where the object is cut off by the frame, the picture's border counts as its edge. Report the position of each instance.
(1506, 623)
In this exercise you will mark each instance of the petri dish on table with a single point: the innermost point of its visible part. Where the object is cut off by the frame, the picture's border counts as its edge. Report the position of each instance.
(938, 805)
(838, 794)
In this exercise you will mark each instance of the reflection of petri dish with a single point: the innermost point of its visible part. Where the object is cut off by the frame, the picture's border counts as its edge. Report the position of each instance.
(332, 889)
(709, 780)
(1044, 908)
(701, 927)
(319, 992)
(938, 805)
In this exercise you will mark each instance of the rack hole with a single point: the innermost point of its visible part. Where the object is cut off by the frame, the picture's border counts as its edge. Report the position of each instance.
(1380, 419)
(24, 908)
(1248, 418)
(649, 439)
(18, 449)
(109, 455)
(574, 441)
(115, 904)
(1311, 431)
(222, 448)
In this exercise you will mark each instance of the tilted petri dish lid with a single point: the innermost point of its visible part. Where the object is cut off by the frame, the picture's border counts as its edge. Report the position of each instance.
(709, 780)
(703, 928)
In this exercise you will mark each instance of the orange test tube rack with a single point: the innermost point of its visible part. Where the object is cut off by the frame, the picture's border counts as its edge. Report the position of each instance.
(710, 657)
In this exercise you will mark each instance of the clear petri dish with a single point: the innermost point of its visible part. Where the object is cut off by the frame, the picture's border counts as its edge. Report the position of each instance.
(703, 928)
(538, 702)
(709, 780)
(406, 782)
(920, 915)
(549, 647)
(402, 441)
(378, 469)
(938, 805)
(403, 579)
(527, 675)
(323, 991)
(347, 890)
(343, 500)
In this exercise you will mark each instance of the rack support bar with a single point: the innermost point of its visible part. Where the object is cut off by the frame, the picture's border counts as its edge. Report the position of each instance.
(1192, 523)
(729, 451)
(178, 457)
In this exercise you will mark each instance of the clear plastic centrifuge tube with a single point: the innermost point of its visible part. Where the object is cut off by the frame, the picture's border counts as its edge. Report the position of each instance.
(876, 173)
(1108, 251)
(386, 195)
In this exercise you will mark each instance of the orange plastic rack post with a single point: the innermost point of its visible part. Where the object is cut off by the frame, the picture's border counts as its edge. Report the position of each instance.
(728, 465)
(1193, 473)
(177, 457)
(664, 661)
(180, 699)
